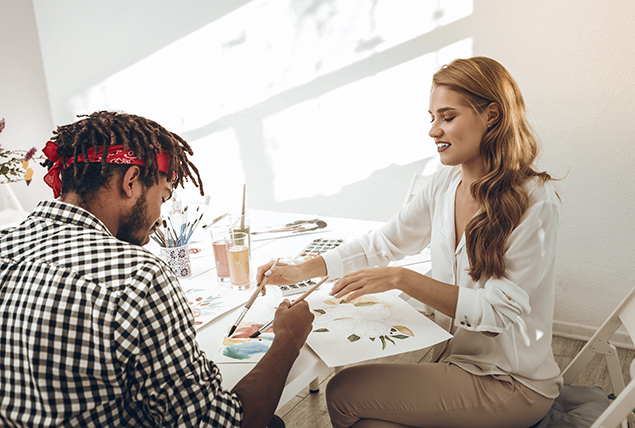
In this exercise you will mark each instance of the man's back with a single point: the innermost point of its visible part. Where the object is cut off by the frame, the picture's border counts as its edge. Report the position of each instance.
(93, 331)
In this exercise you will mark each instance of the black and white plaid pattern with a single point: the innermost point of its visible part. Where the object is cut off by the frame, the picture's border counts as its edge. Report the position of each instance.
(96, 332)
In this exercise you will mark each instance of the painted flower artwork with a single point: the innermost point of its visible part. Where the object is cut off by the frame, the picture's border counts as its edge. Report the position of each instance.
(14, 164)
(364, 318)
(372, 326)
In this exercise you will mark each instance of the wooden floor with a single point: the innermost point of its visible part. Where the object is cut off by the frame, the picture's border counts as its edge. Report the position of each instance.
(308, 410)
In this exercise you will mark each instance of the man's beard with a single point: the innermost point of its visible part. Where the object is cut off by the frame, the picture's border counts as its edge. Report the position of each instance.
(136, 225)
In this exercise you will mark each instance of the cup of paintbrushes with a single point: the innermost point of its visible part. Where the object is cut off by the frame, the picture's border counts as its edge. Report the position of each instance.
(178, 258)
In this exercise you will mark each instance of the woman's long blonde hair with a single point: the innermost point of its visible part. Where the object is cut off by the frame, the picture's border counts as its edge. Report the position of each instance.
(508, 149)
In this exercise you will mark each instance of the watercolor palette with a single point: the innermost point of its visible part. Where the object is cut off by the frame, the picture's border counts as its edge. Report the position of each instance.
(289, 290)
(317, 247)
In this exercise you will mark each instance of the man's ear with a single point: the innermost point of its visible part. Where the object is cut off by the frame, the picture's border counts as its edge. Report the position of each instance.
(493, 111)
(131, 183)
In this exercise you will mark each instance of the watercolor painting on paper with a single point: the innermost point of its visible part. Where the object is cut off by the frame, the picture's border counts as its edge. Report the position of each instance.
(240, 348)
(207, 305)
(372, 326)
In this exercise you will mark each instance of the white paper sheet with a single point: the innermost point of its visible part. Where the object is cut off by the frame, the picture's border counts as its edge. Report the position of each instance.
(372, 326)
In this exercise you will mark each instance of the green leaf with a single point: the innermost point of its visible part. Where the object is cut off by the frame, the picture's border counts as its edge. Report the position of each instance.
(320, 311)
(353, 338)
(383, 342)
(321, 330)
(372, 339)
(400, 336)
(360, 304)
(388, 338)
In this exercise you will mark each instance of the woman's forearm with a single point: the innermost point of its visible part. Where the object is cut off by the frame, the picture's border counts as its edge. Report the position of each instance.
(439, 295)
(313, 268)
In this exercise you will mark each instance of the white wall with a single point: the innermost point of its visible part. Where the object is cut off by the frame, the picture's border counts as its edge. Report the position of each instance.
(321, 106)
(23, 97)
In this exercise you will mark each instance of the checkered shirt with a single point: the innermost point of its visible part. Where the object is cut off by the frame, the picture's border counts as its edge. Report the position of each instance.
(97, 332)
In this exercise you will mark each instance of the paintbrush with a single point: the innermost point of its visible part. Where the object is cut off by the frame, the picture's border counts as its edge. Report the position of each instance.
(299, 299)
(193, 228)
(242, 217)
(252, 299)
(216, 220)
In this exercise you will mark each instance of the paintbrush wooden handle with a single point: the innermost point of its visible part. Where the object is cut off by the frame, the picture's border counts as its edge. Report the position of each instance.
(309, 291)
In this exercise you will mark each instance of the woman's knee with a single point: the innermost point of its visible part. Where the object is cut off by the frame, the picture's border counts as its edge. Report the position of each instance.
(341, 385)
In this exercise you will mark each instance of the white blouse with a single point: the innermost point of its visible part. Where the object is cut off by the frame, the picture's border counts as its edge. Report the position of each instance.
(502, 326)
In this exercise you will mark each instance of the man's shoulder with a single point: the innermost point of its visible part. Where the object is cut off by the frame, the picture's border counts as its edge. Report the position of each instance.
(109, 255)
(93, 255)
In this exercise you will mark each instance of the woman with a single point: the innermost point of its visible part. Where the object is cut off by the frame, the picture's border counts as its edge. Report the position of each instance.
(491, 221)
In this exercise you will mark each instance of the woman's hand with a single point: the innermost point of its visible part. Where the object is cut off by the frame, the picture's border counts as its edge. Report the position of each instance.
(285, 274)
(369, 281)
(281, 274)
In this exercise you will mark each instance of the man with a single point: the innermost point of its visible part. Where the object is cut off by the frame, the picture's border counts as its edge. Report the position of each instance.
(94, 329)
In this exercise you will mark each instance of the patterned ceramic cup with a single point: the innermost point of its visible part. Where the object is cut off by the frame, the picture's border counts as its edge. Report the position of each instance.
(178, 258)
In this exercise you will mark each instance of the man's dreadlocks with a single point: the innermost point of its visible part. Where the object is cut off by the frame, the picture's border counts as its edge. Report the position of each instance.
(145, 138)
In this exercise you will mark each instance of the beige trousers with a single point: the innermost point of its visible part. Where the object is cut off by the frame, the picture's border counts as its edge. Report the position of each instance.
(430, 395)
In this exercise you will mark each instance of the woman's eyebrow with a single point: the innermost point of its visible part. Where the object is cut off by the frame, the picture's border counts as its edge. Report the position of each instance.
(443, 109)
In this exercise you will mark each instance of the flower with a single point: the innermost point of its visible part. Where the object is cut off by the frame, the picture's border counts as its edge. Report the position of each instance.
(29, 155)
(14, 164)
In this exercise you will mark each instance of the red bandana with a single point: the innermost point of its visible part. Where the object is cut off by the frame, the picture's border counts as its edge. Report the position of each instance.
(115, 154)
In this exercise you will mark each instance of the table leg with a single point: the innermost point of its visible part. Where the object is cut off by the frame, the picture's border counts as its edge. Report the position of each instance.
(314, 386)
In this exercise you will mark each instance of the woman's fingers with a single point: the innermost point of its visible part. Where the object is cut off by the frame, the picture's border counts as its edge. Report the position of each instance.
(365, 281)
(346, 285)
(272, 275)
(261, 271)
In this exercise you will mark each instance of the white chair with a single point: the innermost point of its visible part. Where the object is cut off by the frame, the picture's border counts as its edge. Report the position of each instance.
(9, 199)
(11, 210)
(588, 406)
(414, 185)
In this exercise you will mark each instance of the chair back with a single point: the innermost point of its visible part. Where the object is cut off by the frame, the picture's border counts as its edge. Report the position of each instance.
(620, 411)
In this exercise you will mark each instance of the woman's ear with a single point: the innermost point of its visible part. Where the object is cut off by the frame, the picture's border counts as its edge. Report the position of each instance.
(493, 111)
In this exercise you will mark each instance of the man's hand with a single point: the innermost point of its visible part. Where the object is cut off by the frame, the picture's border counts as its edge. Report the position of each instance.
(293, 325)
(260, 390)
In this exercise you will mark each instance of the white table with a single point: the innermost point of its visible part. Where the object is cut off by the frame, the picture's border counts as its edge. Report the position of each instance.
(308, 366)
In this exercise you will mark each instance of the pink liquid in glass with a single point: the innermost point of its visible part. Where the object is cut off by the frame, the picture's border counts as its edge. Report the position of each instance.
(220, 256)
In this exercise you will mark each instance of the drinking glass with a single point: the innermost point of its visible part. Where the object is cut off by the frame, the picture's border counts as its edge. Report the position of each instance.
(240, 223)
(237, 246)
(219, 236)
